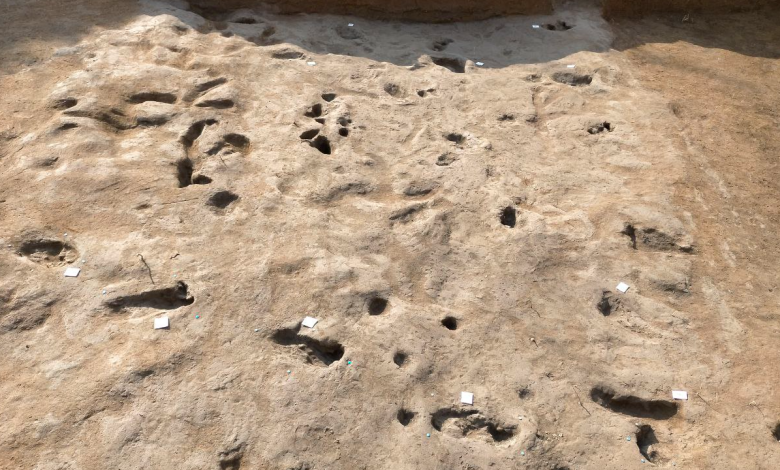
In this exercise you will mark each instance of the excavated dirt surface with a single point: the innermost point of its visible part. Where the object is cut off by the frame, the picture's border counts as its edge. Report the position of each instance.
(455, 203)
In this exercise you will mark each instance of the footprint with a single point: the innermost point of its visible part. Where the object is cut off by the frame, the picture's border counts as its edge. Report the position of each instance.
(313, 111)
(113, 117)
(348, 32)
(237, 141)
(573, 79)
(392, 89)
(455, 138)
(608, 303)
(449, 322)
(405, 416)
(407, 213)
(64, 103)
(446, 159)
(195, 131)
(558, 26)
(352, 187)
(48, 251)
(450, 63)
(420, 188)
(441, 44)
(218, 103)
(647, 442)
(470, 423)
(145, 96)
(318, 352)
(633, 406)
(322, 144)
(508, 216)
(169, 298)
(202, 88)
(221, 199)
(400, 358)
(600, 127)
(653, 239)
(377, 305)
(310, 134)
(184, 174)
(288, 54)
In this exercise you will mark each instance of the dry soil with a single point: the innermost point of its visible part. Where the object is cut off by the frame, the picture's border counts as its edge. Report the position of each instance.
(456, 204)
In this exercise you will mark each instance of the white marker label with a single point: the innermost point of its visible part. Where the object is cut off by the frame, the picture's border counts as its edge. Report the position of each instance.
(72, 272)
(622, 287)
(480, 64)
(679, 395)
(351, 25)
(536, 26)
(309, 322)
(467, 398)
(311, 63)
(571, 66)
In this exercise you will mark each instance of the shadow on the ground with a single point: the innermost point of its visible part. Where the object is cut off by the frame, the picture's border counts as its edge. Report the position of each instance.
(753, 34)
(493, 43)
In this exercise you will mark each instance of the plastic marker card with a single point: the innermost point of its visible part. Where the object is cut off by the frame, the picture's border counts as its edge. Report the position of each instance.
(679, 395)
(351, 25)
(570, 66)
(309, 322)
(311, 63)
(72, 272)
(622, 287)
(480, 64)
(535, 26)
(467, 398)
(161, 323)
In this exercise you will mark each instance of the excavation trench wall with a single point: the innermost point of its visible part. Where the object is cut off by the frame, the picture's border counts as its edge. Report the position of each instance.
(632, 8)
(462, 10)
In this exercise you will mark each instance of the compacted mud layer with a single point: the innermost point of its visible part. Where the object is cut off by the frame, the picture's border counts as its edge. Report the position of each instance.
(455, 203)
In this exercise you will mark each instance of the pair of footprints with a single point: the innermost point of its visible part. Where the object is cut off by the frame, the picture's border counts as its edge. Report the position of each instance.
(313, 136)
(185, 167)
(118, 119)
(463, 423)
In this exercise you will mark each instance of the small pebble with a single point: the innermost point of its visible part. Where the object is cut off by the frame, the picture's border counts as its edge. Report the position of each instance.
(257, 329)
(83, 261)
(289, 372)
(428, 435)
(64, 234)
(628, 438)
(643, 460)
(104, 292)
(522, 452)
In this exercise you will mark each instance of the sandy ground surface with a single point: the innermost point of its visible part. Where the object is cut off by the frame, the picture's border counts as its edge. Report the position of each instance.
(455, 204)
